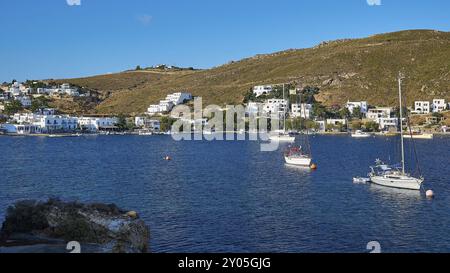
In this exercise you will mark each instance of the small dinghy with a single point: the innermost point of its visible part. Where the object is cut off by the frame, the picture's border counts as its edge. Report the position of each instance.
(361, 180)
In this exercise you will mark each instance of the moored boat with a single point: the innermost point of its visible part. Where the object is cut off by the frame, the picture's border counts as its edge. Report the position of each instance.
(360, 134)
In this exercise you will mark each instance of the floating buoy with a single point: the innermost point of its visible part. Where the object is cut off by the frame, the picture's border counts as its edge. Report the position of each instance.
(313, 166)
(132, 214)
(429, 194)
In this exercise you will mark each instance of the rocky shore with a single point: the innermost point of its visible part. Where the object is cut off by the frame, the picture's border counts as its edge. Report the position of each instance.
(36, 226)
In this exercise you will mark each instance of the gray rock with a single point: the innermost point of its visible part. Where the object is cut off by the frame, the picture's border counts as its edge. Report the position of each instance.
(107, 227)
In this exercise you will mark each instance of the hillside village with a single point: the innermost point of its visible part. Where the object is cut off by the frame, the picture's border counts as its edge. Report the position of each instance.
(24, 110)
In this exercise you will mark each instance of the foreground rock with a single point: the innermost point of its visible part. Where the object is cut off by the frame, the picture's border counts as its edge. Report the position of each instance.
(33, 226)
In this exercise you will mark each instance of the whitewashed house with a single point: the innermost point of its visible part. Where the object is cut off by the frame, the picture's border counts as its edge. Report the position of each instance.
(439, 105)
(421, 107)
(388, 124)
(262, 90)
(147, 123)
(379, 112)
(336, 121)
(362, 105)
(179, 98)
(275, 106)
(165, 106)
(25, 101)
(301, 110)
(94, 124)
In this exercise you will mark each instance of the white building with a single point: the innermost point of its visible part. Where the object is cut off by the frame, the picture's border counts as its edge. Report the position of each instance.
(50, 123)
(153, 109)
(93, 124)
(335, 121)
(439, 105)
(45, 123)
(262, 90)
(275, 105)
(254, 108)
(25, 101)
(179, 98)
(379, 112)
(165, 106)
(421, 107)
(388, 124)
(301, 110)
(145, 122)
(362, 105)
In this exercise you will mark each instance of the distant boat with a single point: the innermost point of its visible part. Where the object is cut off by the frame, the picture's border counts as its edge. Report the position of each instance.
(360, 134)
(395, 176)
(419, 136)
(361, 180)
(145, 133)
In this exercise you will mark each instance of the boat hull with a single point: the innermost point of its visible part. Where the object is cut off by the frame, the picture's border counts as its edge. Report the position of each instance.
(360, 136)
(298, 161)
(282, 138)
(422, 136)
(403, 182)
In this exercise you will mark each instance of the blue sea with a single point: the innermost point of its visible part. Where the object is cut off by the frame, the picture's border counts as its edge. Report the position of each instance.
(228, 196)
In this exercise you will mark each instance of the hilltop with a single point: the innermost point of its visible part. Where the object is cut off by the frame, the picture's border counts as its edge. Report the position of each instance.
(350, 69)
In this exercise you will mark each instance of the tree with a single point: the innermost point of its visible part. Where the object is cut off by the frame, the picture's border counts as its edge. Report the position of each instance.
(166, 123)
(13, 107)
(39, 103)
(356, 125)
(344, 113)
(357, 113)
(372, 126)
(138, 68)
(319, 111)
(122, 122)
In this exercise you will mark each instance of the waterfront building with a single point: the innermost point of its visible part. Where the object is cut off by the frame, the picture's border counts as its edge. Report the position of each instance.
(94, 124)
(439, 105)
(421, 107)
(322, 125)
(301, 110)
(362, 105)
(147, 123)
(379, 112)
(262, 90)
(388, 124)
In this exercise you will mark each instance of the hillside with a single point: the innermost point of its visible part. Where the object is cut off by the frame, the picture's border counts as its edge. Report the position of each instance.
(357, 69)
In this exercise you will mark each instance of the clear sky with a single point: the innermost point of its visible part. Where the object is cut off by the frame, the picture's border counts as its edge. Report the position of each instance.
(52, 39)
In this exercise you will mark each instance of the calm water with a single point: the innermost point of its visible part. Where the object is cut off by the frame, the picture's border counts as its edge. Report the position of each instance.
(230, 197)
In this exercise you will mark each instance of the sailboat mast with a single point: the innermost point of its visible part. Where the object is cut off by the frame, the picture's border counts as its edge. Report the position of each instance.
(401, 121)
(284, 113)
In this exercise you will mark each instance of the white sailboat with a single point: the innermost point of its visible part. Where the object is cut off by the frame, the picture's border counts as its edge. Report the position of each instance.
(395, 176)
(282, 136)
(297, 155)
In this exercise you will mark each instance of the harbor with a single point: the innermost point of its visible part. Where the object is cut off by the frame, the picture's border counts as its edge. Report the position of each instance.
(228, 196)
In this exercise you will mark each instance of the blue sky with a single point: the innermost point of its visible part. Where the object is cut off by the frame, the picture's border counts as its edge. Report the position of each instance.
(51, 39)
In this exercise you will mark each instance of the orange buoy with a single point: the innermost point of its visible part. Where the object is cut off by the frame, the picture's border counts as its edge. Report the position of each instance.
(313, 166)
(429, 194)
